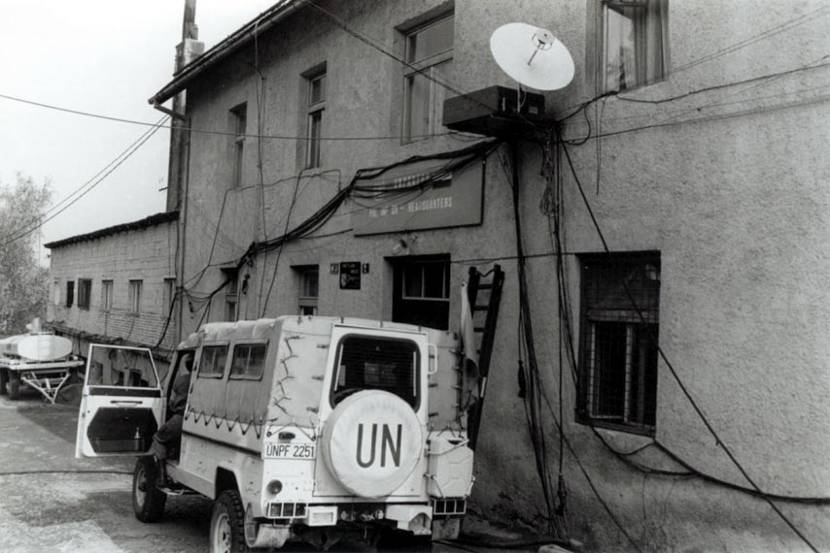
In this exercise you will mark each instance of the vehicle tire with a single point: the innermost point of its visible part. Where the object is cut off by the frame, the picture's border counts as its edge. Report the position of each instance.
(14, 386)
(4, 379)
(148, 503)
(227, 524)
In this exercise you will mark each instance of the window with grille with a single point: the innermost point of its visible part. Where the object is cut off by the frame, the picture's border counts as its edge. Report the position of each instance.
(248, 361)
(315, 106)
(212, 361)
(309, 288)
(375, 363)
(619, 333)
(106, 295)
(634, 43)
(428, 51)
(134, 295)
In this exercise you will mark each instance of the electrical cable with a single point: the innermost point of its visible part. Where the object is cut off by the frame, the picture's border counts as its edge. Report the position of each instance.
(219, 133)
(111, 167)
(677, 379)
(279, 251)
(787, 25)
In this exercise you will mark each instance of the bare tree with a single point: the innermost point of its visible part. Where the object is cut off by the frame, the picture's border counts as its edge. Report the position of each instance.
(24, 285)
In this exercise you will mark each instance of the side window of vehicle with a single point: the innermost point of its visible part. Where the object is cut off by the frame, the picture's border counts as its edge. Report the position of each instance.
(212, 361)
(248, 361)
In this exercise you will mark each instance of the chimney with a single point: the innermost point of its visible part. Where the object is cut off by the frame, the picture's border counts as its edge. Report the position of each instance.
(190, 47)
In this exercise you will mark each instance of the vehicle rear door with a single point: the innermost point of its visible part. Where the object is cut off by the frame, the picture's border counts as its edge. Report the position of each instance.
(121, 403)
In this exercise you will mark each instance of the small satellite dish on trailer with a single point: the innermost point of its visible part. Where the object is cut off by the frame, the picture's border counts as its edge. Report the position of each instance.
(532, 56)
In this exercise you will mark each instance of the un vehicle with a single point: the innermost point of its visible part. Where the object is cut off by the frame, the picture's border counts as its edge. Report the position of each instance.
(298, 428)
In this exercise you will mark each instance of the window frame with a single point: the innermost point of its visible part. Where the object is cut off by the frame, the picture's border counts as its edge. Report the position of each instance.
(588, 372)
(213, 376)
(168, 294)
(424, 67)
(445, 284)
(239, 122)
(603, 54)
(107, 285)
(135, 289)
(313, 157)
(70, 293)
(231, 295)
(84, 293)
(305, 301)
(232, 354)
(335, 374)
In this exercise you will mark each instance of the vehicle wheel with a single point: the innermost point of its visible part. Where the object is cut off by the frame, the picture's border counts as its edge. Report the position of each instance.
(227, 524)
(14, 386)
(4, 379)
(148, 500)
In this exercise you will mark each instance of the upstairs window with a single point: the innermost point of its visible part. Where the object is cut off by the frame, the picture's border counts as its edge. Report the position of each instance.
(56, 292)
(84, 292)
(134, 295)
(315, 106)
(239, 125)
(620, 309)
(169, 295)
(635, 43)
(106, 295)
(429, 51)
(70, 293)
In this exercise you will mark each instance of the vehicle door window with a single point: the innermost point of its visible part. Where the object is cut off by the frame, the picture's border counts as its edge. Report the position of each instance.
(376, 363)
(248, 361)
(212, 361)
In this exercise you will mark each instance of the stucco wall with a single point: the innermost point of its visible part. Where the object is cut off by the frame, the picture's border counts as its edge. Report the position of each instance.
(729, 185)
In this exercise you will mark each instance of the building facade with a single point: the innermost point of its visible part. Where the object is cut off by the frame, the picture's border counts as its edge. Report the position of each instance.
(673, 215)
(117, 285)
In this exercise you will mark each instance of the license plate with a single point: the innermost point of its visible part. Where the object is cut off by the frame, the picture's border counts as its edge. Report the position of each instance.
(289, 451)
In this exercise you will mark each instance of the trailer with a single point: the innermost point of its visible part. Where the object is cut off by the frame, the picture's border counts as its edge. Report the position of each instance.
(41, 361)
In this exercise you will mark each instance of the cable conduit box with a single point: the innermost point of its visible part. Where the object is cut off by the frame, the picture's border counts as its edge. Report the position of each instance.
(492, 111)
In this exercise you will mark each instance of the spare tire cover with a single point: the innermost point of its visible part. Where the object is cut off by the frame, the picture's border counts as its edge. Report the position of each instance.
(372, 442)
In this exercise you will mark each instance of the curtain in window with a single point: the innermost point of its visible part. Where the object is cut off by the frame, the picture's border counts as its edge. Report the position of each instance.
(635, 42)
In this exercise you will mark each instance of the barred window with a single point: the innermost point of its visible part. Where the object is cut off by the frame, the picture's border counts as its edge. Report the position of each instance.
(620, 309)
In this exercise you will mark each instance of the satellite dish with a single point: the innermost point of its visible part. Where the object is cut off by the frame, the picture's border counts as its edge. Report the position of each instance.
(532, 56)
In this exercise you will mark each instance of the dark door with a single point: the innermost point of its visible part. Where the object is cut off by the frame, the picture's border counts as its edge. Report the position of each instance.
(422, 291)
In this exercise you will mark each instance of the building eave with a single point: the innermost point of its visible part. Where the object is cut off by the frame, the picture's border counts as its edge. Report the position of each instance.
(225, 48)
(152, 220)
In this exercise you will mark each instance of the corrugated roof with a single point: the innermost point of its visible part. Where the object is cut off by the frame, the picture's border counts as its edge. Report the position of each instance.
(231, 44)
(150, 221)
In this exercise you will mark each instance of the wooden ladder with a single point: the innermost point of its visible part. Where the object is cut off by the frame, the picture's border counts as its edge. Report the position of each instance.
(487, 333)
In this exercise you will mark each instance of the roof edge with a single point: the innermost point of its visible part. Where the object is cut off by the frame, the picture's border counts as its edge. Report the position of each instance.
(152, 220)
(225, 48)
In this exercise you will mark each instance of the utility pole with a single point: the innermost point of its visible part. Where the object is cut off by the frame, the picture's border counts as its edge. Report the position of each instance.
(177, 176)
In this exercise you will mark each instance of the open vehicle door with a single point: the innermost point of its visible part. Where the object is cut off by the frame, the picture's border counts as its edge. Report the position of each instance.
(121, 405)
